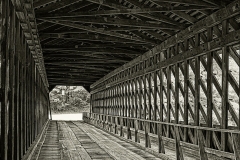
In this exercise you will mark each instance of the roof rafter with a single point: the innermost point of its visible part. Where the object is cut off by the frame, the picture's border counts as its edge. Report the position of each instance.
(42, 3)
(99, 50)
(119, 22)
(125, 11)
(90, 37)
(96, 30)
(189, 2)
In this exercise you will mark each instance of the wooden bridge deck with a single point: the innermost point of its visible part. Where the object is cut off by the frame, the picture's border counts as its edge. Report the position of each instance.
(77, 140)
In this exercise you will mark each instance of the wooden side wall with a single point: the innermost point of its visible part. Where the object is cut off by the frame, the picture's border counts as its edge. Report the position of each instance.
(191, 79)
(24, 98)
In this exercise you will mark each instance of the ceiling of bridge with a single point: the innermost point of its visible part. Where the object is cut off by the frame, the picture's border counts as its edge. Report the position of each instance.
(83, 40)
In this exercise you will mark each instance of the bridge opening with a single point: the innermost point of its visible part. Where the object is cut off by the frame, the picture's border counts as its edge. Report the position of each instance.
(69, 102)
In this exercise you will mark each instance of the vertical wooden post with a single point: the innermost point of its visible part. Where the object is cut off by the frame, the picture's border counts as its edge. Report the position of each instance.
(168, 70)
(115, 126)
(12, 104)
(121, 127)
(16, 95)
(137, 139)
(161, 148)
(225, 70)
(179, 153)
(201, 142)
(5, 78)
(160, 131)
(140, 99)
(177, 105)
(147, 138)
(197, 90)
(155, 89)
(209, 89)
(144, 96)
(186, 83)
(149, 99)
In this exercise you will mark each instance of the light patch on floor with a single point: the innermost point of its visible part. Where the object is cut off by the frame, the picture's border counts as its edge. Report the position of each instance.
(67, 117)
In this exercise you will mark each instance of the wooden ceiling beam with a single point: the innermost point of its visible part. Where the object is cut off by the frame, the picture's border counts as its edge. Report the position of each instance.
(55, 68)
(67, 56)
(186, 16)
(45, 25)
(84, 50)
(125, 11)
(119, 22)
(156, 35)
(215, 2)
(73, 84)
(52, 74)
(56, 6)
(89, 37)
(69, 80)
(147, 38)
(79, 67)
(110, 28)
(183, 15)
(156, 16)
(82, 5)
(90, 51)
(41, 3)
(116, 63)
(77, 58)
(74, 73)
(188, 2)
(96, 30)
(137, 47)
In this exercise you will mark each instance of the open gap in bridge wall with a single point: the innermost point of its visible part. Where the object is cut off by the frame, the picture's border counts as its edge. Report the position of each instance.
(24, 93)
(186, 89)
(69, 102)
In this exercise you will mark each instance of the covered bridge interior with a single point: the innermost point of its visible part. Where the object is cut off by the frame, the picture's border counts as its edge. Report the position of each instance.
(163, 72)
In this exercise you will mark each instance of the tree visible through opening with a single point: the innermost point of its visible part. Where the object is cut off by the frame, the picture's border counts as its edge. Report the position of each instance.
(69, 101)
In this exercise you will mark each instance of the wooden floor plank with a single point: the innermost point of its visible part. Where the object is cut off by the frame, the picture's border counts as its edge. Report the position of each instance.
(66, 140)
(117, 148)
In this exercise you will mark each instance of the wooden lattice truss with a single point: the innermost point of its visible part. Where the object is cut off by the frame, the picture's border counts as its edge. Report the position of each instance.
(191, 79)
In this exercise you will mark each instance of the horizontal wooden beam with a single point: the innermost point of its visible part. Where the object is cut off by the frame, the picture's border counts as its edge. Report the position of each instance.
(42, 3)
(120, 22)
(189, 2)
(136, 47)
(79, 66)
(71, 83)
(52, 7)
(91, 37)
(92, 50)
(56, 73)
(97, 58)
(109, 61)
(125, 11)
(96, 30)
(90, 71)
(71, 76)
